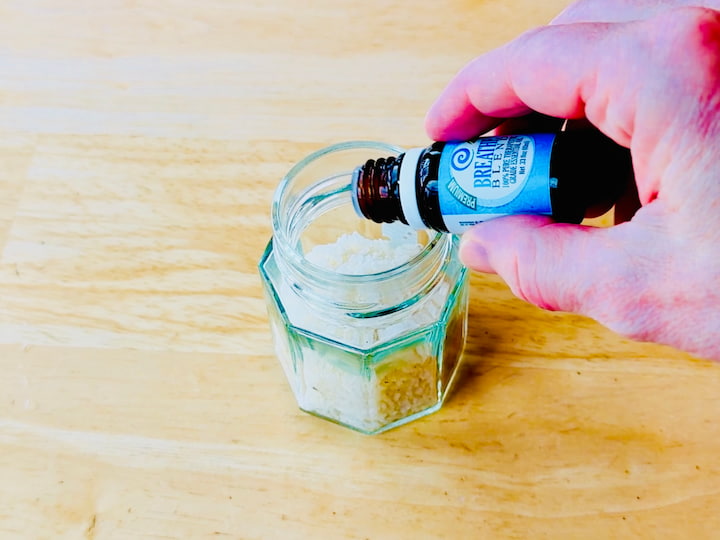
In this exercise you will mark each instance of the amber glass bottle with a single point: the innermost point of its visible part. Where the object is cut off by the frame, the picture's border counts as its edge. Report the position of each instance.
(452, 186)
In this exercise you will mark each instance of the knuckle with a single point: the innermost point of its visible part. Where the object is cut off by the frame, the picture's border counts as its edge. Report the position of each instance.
(534, 275)
(691, 22)
(523, 278)
(518, 269)
(691, 36)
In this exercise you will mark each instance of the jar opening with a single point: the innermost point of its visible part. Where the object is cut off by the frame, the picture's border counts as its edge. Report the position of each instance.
(312, 210)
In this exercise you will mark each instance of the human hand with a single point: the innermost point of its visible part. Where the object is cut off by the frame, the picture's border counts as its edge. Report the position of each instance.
(652, 85)
(623, 10)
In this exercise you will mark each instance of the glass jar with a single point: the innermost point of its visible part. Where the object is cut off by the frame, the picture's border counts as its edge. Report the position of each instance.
(372, 350)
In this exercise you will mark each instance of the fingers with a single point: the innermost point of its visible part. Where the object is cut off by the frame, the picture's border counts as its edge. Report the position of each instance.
(555, 266)
(562, 71)
(641, 83)
(622, 10)
(607, 73)
(628, 277)
(651, 85)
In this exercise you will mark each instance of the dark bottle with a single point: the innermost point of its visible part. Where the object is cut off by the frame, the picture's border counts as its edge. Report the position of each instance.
(451, 186)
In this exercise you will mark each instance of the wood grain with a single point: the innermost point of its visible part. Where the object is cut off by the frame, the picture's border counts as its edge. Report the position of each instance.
(140, 145)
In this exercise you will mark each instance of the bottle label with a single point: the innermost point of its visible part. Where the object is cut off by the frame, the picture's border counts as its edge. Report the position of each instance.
(493, 177)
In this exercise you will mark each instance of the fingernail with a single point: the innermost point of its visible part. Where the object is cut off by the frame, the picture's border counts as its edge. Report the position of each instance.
(473, 254)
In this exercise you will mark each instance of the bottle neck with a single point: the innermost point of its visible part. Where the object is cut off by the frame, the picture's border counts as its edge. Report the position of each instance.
(402, 189)
(375, 190)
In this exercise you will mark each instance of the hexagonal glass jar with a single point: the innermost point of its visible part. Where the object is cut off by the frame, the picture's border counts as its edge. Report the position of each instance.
(369, 351)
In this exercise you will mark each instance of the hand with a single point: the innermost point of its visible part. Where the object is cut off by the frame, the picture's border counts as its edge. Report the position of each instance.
(624, 10)
(651, 84)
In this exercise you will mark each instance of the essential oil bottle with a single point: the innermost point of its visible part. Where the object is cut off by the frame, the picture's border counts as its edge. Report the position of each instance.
(450, 187)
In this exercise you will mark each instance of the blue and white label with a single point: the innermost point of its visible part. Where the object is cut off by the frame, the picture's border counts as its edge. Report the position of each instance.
(493, 177)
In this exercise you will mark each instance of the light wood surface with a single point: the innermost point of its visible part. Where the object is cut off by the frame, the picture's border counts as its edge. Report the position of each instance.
(140, 144)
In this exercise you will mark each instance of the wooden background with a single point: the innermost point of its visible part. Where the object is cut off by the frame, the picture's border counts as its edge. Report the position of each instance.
(140, 144)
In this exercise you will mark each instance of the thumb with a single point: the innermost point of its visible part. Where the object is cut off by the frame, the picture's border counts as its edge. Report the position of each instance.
(556, 266)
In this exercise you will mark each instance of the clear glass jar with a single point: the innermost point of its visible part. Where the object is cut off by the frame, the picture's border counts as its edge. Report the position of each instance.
(369, 351)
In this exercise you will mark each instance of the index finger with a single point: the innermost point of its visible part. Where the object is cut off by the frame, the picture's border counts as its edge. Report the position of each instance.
(650, 85)
(566, 71)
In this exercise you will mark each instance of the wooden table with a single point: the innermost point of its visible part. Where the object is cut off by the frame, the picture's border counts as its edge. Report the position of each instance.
(140, 144)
